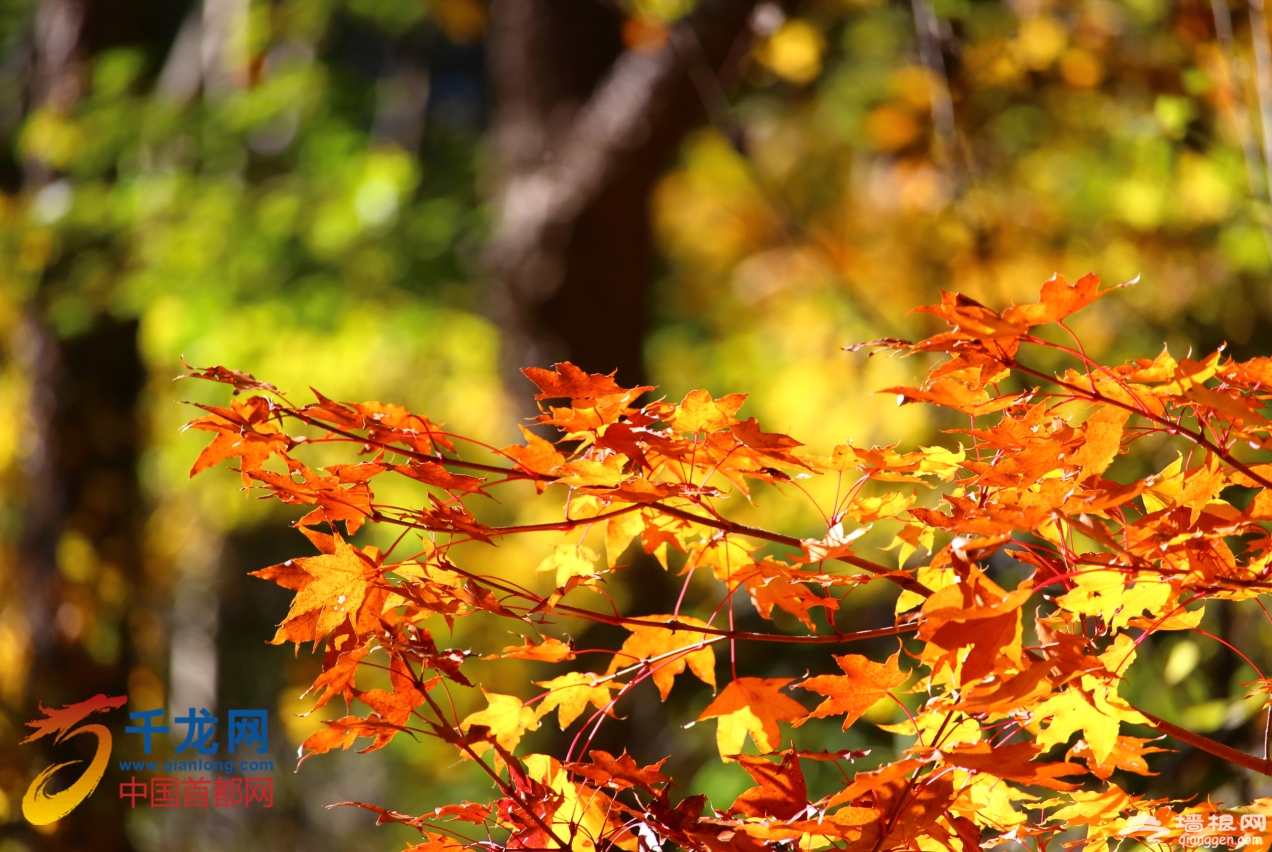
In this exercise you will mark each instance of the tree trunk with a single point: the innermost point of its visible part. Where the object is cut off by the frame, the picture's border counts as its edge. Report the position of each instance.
(583, 129)
(82, 549)
(79, 550)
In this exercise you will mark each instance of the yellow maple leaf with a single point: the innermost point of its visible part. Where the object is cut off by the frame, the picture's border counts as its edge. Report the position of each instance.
(619, 532)
(1164, 486)
(507, 717)
(1116, 598)
(867, 510)
(606, 473)
(569, 560)
(570, 694)
(1091, 713)
(583, 815)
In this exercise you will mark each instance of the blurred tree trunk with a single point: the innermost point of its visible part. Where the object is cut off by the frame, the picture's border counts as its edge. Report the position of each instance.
(584, 126)
(80, 547)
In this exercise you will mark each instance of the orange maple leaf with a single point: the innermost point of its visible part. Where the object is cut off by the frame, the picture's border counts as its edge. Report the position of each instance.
(1058, 300)
(621, 772)
(751, 705)
(780, 789)
(853, 693)
(538, 456)
(667, 651)
(1013, 762)
(548, 651)
(337, 585)
(698, 412)
(432, 473)
(569, 382)
(243, 432)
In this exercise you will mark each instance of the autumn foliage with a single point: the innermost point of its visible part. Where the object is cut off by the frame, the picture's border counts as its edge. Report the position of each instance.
(1011, 694)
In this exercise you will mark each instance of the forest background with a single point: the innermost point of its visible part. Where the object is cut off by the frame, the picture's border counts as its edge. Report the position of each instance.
(407, 200)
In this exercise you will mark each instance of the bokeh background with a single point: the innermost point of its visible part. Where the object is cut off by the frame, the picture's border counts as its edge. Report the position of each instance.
(406, 200)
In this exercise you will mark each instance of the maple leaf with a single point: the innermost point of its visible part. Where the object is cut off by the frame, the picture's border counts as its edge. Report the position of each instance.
(751, 705)
(607, 473)
(569, 382)
(1014, 762)
(912, 815)
(867, 510)
(569, 560)
(972, 318)
(352, 474)
(1058, 300)
(1092, 807)
(338, 679)
(1022, 689)
(506, 716)
(241, 381)
(667, 650)
(977, 613)
(1101, 441)
(698, 412)
(837, 543)
(1127, 754)
(619, 532)
(335, 591)
(862, 827)
(780, 789)
(582, 813)
(436, 843)
(772, 583)
(452, 518)
(538, 456)
(1092, 713)
(417, 646)
(383, 423)
(571, 693)
(1117, 598)
(548, 651)
(243, 432)
(853, 693)
(335, 503)
(466, 812)
(621, 772)
(432, 473)
(864, 784)
(395, 707)
(949, 392)
(772, 446)
(343, 732)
